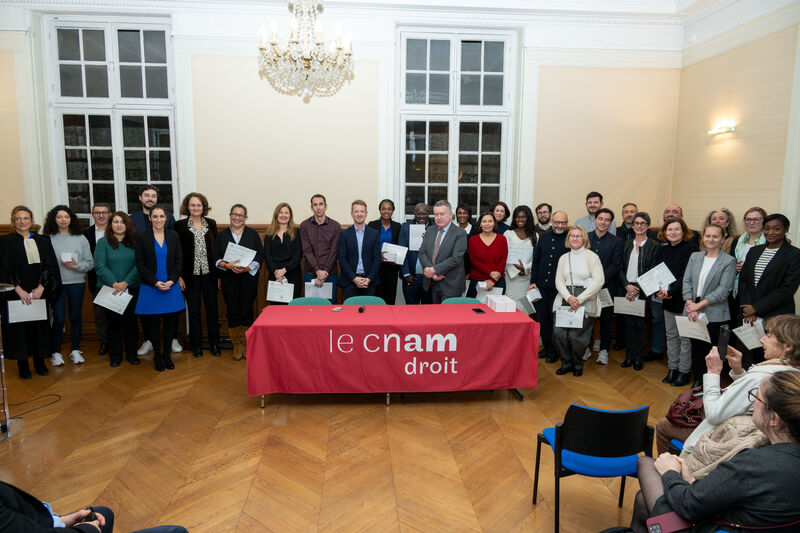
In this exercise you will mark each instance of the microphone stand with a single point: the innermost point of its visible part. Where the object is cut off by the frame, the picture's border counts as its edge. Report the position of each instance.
(9, 427)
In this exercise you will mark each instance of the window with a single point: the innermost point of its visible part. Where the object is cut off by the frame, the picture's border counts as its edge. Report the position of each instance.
(113, 112)
(454, 119)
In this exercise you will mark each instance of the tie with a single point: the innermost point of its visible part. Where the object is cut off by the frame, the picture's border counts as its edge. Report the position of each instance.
(436, 246)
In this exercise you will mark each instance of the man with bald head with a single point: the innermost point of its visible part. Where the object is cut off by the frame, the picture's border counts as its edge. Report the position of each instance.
(676, 211)
(551, 246)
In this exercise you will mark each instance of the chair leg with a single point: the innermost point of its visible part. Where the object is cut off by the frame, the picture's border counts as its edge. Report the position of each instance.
(622, 490)
(536, 471)
(558, 500)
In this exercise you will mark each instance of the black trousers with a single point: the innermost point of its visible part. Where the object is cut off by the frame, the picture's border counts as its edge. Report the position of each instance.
(352, 290)
(606, 318)
(152, 326)
(100, 318)
(202, 289)
(239, 291)
(544, 314)
(123, 331)
(635, 337)
(388, 287)
(417, 294)
(701, 348)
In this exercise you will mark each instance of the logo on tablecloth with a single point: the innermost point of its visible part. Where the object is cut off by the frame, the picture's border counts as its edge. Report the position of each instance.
(344, 343)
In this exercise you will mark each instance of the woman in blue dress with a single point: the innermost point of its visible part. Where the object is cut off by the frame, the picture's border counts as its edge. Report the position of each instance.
(159, 260)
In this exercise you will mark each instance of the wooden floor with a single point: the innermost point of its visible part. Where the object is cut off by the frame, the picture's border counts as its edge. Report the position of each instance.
(190, 447)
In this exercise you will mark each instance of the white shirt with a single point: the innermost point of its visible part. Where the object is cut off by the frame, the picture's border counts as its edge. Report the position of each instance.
(708, 262)
(580, 275)
(633, 264)
(98, 234)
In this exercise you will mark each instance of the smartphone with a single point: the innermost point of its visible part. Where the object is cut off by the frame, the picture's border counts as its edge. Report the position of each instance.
(338, 308)
(91, 517)
(724, 339)
(478, 310)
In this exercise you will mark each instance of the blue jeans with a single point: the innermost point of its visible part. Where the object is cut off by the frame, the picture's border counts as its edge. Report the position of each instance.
(333, 277)
(71, 295)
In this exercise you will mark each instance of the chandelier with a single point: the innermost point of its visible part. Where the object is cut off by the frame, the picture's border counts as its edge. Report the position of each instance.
(305, 64)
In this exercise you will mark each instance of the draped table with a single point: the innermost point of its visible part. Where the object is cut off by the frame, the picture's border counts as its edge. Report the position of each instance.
(389, 348)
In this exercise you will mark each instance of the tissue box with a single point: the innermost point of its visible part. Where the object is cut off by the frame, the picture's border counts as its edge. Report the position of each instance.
(501, 304)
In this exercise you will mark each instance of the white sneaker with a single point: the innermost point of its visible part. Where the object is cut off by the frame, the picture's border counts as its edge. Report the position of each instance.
(602, 357)
(596, 346)
(587, 354)
(57, 359)
(146, 347)
(176, 347)
(76, 357)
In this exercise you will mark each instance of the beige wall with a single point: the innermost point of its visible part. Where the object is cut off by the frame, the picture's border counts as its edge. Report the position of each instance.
(605, 129)
(751, 86)
(10, 162)
(282, 148)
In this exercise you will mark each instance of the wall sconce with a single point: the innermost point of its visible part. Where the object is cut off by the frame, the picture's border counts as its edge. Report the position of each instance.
(722, 128)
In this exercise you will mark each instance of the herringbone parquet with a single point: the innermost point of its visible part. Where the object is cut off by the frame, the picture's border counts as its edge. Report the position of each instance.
(189, 446)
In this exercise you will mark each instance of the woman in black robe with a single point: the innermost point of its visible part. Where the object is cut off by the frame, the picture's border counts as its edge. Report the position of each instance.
(30, 266)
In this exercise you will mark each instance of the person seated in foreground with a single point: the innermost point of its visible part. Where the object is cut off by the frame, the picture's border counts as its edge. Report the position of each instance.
(22, 513)
(756, 489)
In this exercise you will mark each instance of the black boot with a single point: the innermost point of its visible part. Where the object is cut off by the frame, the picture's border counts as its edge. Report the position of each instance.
(681, 380)
(564, 369)
(24, 369)
(40, 366)
(653, 356)
(158, 361)
(673, 373)
(168, 361)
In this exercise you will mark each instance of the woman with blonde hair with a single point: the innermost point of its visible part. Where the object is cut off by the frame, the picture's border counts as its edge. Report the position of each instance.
(283, 249)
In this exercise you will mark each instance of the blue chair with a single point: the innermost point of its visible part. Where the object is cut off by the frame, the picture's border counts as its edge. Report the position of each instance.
(310, 300)
(461, 300)
(675, 446)
(364, 300)
(596, 443)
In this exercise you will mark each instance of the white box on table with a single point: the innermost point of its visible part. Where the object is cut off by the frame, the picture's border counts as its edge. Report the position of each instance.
(501, 303)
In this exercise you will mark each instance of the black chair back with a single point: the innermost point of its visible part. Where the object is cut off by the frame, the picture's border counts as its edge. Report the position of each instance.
(606, 433)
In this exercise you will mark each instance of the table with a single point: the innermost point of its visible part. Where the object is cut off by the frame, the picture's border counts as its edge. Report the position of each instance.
(389, 348)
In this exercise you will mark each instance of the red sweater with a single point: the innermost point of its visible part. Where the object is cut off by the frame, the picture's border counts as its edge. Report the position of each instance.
(485, 259)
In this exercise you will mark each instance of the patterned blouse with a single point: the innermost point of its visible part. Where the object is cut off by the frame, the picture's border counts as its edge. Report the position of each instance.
(200, 255)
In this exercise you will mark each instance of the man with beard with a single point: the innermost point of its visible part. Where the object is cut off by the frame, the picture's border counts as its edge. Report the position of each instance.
(148, 198)
(609, 248)
(551, 246)
(543, 213)
(594, 202)
(625, 230)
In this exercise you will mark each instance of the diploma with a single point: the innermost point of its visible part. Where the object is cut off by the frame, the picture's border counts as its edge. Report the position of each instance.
(655, 279)
(692, 329)
(567, 319)
(280, 291)
(623, 306)
(605, 299)
(750, 335)
(394, 253)
(415, 233)
(326, 291)
(483, 292)
(19, 312)
(68, 256)
(533, 295)
(113, 302)
(243, 255)
(517, 254)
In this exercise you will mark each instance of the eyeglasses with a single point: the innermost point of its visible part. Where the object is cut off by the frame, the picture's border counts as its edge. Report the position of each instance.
(752, 396)
(237, 215)
(752, 220)
(640, 223)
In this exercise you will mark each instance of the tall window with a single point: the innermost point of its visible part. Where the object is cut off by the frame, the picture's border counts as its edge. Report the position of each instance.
(113, 112)
(454, 118)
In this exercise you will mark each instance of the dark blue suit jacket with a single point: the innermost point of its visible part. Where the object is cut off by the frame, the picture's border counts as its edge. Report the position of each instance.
(370, 255)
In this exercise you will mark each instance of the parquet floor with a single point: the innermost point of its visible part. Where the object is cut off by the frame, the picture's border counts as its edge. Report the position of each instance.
(189, 446)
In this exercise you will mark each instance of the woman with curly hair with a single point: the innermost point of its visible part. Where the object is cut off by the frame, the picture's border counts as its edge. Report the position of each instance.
(74, 260)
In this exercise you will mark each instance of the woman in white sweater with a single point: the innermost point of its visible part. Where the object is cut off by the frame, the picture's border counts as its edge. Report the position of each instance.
(74, 260)
(579, 278)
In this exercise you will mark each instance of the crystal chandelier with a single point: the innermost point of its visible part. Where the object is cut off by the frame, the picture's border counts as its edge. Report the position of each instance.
(305, 64)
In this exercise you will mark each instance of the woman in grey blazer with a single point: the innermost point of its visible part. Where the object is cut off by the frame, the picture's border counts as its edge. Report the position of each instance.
(707, 282)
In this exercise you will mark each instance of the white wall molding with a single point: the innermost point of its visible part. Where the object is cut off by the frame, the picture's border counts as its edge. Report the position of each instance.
(755, 29)
(790, 199)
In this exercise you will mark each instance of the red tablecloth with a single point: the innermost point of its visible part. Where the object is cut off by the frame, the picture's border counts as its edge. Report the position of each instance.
(403, 348)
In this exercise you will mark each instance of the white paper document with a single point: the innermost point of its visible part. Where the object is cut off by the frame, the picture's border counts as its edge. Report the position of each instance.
(692, 329)
(68, 256)
(326, 291)
(605, 299)
(526, 305)
(484, 292)
(394, 253)
(113, 302)
(243, 255)
(519, 253)
(623, 306)
(280, 291)
(19, 312)
(415, 233)
(750, 335)
(567, 319)
(658, 277)
(533, 295)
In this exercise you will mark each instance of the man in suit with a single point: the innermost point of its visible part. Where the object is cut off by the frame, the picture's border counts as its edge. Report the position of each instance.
(442, 255)
(359, 254)
(22, 513)
(411, 271)
(101, 213)
(609, 248)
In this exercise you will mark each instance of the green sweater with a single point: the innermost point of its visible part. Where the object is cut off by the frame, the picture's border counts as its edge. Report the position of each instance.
(113, 265)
